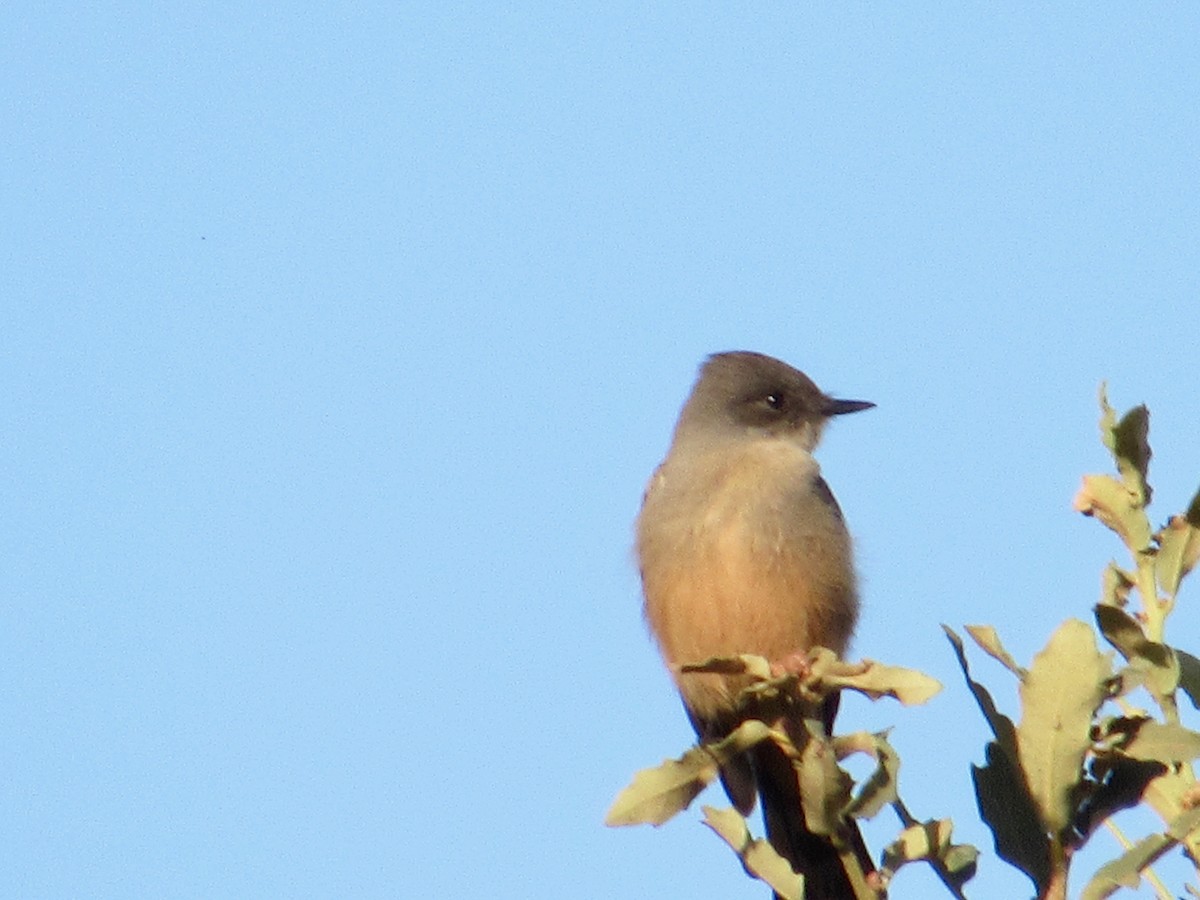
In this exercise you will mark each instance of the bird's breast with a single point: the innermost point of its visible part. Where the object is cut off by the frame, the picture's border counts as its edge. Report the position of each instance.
(744, 553)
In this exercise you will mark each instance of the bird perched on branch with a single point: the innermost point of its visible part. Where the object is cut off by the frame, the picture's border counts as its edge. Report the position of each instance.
(742, 549)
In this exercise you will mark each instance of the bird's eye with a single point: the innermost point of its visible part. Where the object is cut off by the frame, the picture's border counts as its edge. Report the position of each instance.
(775, 401)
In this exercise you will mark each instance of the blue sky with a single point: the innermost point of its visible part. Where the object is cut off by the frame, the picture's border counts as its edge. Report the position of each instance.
(339, 343)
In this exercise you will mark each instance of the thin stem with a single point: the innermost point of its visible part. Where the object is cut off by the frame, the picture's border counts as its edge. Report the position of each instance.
(1060, 860)
(858, 878)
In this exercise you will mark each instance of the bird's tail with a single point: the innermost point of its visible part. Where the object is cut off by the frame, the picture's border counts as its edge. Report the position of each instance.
(814, 856)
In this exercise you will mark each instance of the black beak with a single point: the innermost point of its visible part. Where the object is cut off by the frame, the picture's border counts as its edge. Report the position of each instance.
(842, 407)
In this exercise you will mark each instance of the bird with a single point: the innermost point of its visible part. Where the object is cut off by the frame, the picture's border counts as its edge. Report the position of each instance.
(742, 549)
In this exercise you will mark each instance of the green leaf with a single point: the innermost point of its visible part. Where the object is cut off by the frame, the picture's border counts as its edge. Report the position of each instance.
(655, 795)
(880, 789)
(1131, 449)
(1189, 676)
(1009, 811)
(824, 787)
(1193, 511)
(1001, 790)
(1001, 725)
(876, 680)
(1108, 418)
(989, 642)
(1124, 632)
(1156, 661)
(1111, 502)
(1178, 551)
(742, 664)
(758, 857)
(1170, 743)
(1184, 824)
(1120, 783)
(1116, 586)
(1124, 871)
(931, 841)
(1128, 442)
(1065, 686)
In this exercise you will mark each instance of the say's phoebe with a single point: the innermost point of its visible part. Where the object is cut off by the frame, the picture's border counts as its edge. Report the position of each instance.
(742, 549)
